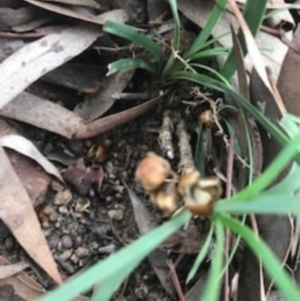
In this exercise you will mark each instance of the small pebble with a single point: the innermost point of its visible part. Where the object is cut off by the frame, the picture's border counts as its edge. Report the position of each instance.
(101, 231)
(93, 245)
(9, 243)
(81, 252)
(45, 225)
(53, 217)
(74, 259)
(57, 225)
(78, 241)
(67, 266)
(66, 241)
(107, 249)
(63, 209)
(53, 240)
(57, 186)
(117, 214)
(109, 199)
(63, 197)
(65, 255)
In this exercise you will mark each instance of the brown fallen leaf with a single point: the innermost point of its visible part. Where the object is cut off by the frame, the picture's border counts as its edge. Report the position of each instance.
(20, 285)
(34, 179)
(27, 148)
(32, 61)
(52, 117)
(17, 212)
(95, 105)
(12, 269)
(87, 3)
(118, 15)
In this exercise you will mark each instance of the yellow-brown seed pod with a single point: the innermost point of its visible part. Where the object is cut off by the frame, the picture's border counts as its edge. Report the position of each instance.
(166, 198)
(152, 171)
(199, 193)
(207, 118)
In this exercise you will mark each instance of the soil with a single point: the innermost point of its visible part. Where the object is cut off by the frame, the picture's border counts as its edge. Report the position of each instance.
(83, 229)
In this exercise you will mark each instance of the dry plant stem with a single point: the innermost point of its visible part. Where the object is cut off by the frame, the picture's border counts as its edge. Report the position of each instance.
(261, 275)
(228, 194)
(176, 281)
(165, 135)
(186, 163)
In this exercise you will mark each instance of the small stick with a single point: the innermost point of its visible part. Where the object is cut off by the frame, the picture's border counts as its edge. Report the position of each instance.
(165, 135)
(186, 163)
(176, 280)
(228, 194)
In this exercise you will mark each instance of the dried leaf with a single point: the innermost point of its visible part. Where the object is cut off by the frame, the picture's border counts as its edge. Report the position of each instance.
(98, 103)
(32, 61)
(102, 125)
(87, 3)
(43, 114)
(12, 269)
(55, 118)
(118, 15)
(17, 213)
(288, 83)
(27, 148)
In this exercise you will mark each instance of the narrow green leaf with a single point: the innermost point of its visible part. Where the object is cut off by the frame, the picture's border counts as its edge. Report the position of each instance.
(217, 51)
(174, 9)
(264, 203)
(131, 256)
(214, 17)
(213, 284)
(273, 267)
(272, 171)
(133, 35)
(253, 14)
(201, 255)
(215, 73)
(201, 79)
(130, 63)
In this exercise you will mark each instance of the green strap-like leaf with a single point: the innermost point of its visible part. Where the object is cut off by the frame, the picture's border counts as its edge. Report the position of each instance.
(273, 267)
(130, 63)
(214, 17)
(135, 36)
(213, 284)
(253, 14)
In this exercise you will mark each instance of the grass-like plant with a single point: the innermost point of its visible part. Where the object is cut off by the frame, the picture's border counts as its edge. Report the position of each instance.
(254, 198)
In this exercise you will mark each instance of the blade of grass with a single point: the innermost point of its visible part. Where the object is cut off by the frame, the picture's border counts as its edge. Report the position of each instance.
(174, 9)
(214, 17)
(131, 255)
(131, 34)
(216, 74)
(213, 284)
(272, 171)
(130, 63)
(201, 255)
(217, 51)
(253, 14)
(273, 267)
(201, 79)
(265, 203)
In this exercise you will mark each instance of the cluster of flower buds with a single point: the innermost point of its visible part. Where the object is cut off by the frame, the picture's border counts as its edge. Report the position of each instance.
(166, 188)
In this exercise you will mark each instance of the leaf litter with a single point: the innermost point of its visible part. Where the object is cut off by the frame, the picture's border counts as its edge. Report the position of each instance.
(34, 61)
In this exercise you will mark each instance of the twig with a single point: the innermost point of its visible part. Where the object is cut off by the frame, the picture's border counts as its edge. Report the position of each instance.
(186, 163)
(165, 135)
(228, 194)
(175, 280)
